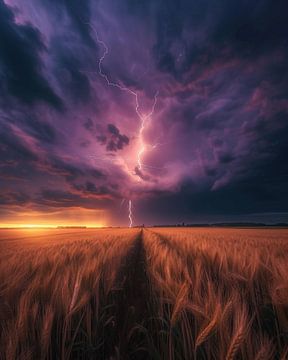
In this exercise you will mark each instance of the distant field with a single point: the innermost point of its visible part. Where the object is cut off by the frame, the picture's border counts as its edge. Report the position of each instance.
(161, 293)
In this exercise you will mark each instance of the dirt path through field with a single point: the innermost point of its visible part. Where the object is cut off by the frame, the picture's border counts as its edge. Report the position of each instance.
(131, 304)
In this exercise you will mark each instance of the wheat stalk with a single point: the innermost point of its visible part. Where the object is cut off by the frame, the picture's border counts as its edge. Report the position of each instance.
(207, 330)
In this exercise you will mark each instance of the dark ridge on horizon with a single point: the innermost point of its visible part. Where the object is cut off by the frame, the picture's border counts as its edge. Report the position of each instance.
(228, 224)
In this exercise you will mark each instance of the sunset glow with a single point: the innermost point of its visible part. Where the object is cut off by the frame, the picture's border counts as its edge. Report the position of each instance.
(63, 217)
(50, 226)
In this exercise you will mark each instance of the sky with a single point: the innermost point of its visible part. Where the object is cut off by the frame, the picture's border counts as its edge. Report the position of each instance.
(177, 106)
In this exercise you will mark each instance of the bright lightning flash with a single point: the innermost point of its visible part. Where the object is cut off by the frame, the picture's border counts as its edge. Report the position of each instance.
(143, 117)
(130, 213)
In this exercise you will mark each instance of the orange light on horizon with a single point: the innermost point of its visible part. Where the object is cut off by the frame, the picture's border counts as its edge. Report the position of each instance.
(50, 226)
(73, 217)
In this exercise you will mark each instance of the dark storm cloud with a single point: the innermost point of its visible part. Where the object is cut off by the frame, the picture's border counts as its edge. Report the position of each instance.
(65, 199)
(89, 188)
(20, 62)
(13, 148)
(116, 141)
(14, 198)
(69, 69)
(225, 158)
(71, 171)
(68, 170)
(220, 123)
(89, 125)
(77, 82)
(113, 130)
(210, 171)
(59, 198)
(234, 202)
(218, 30)
(141, 175)
(79, 13)
(252, 29)
(110, 137)
(41, 130)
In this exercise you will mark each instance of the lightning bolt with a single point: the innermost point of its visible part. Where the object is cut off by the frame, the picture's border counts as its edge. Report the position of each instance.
(130, 213)
(143, 117)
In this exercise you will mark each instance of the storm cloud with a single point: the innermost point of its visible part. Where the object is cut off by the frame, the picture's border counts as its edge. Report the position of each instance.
(78, 82)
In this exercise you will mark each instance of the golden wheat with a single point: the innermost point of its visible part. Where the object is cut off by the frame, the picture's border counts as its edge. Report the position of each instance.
(159, 293)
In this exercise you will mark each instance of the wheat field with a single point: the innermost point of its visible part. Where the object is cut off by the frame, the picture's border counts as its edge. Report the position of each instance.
(159, 293)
